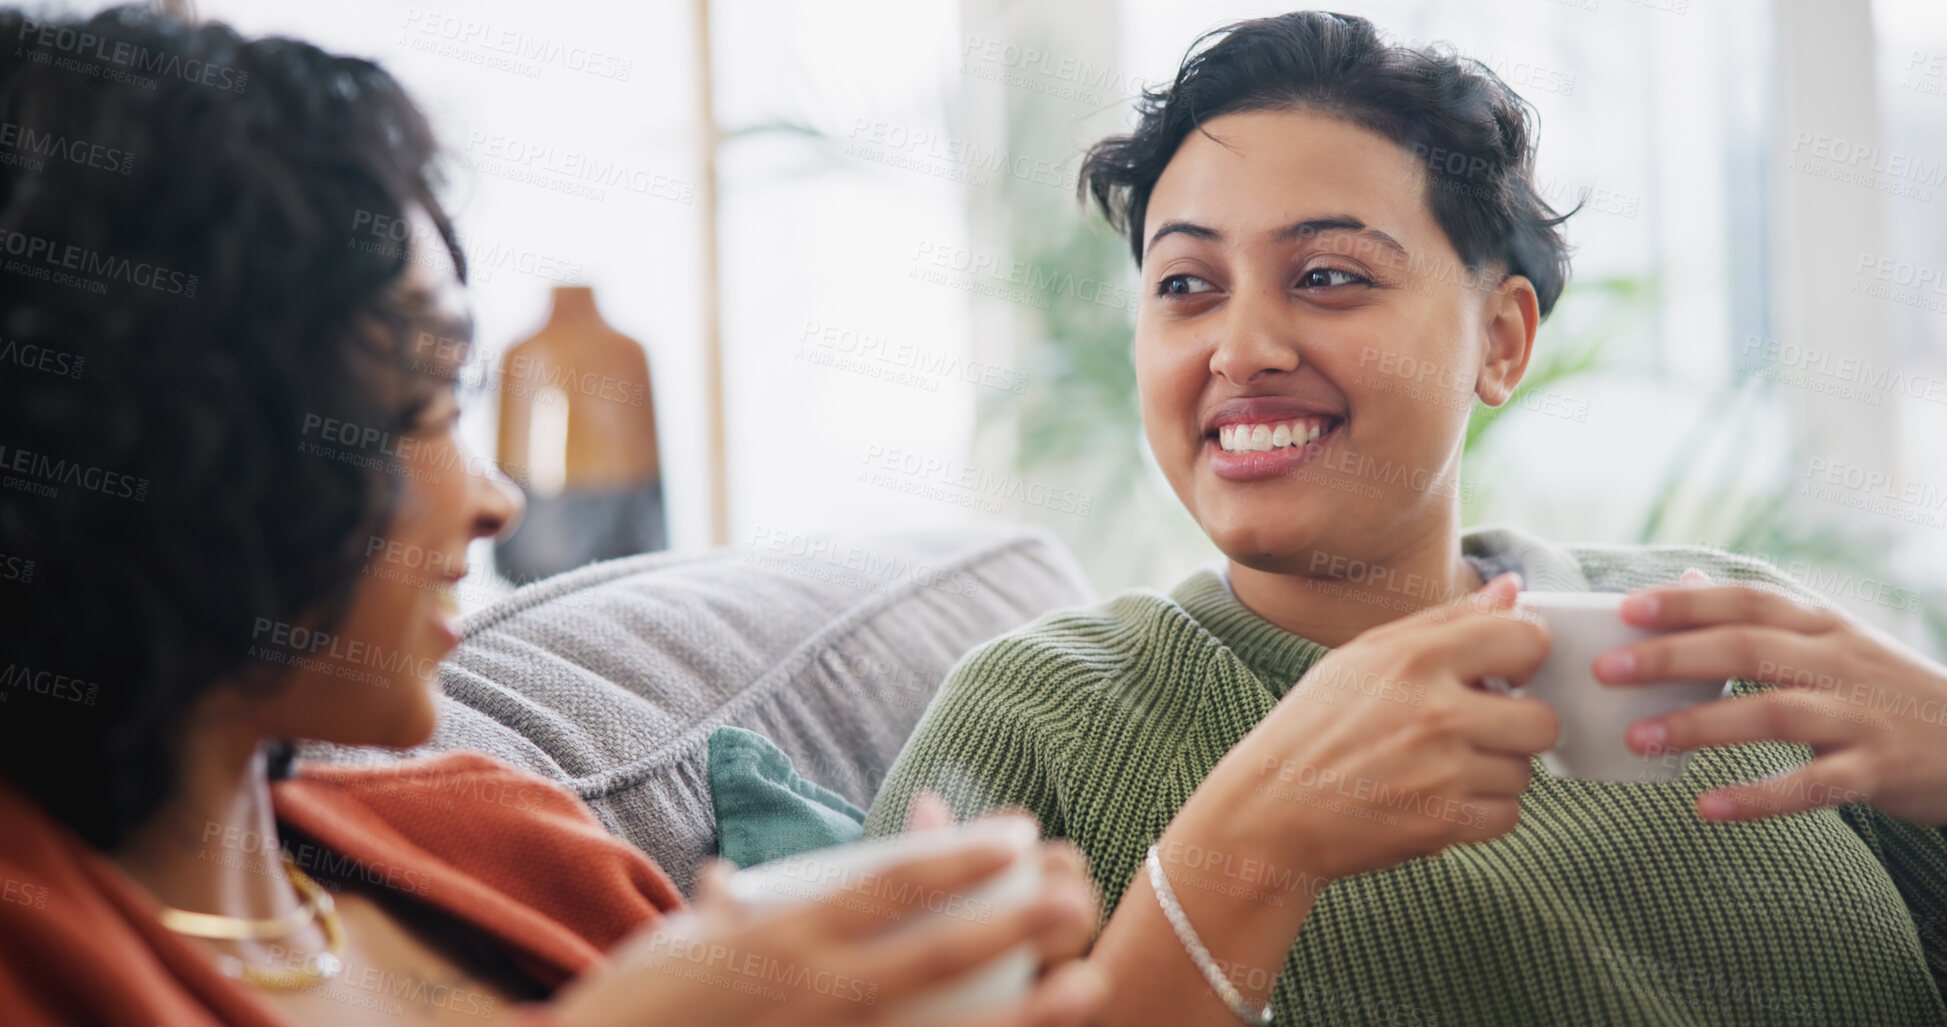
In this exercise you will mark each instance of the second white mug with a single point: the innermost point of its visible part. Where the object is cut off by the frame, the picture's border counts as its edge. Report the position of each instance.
(1594, 715)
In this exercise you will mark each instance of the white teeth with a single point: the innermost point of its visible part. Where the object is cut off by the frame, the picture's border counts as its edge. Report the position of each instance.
(1258, 438)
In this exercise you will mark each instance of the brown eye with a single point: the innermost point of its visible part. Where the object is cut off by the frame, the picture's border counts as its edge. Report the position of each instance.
(1182, 285)
(1327, 277)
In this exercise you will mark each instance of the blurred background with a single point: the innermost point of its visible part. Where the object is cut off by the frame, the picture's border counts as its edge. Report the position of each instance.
(847, 233)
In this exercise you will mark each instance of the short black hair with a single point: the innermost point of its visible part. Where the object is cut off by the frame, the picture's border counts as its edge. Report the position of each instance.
(1470, 130)
(184, 293)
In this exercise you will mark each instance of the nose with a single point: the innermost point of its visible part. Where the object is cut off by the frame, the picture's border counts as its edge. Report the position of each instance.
(1255, 337)
(497, 503)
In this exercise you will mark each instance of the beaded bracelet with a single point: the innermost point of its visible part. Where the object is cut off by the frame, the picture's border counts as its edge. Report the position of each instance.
(1194, 946)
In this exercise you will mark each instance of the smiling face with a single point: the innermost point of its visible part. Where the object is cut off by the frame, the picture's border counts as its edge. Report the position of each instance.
(1309, 344)
(373, 681)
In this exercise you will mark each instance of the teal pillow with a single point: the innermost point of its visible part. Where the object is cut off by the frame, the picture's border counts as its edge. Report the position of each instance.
(765, 811)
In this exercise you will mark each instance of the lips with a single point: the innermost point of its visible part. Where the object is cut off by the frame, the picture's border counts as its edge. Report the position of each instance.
(1255, 438)
(446, 607)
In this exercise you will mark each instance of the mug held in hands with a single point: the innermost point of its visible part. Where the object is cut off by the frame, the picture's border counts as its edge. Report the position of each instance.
(1594, 715)
(822, 875)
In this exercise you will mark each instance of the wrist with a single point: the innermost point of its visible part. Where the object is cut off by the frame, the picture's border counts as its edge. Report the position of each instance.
(1235, 891)
(1225, 865)
(1237, 815)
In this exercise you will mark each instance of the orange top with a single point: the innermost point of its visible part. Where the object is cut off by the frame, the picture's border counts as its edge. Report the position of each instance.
(505, 852)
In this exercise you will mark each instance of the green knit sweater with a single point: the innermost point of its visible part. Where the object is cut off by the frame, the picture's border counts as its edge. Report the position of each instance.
(1610, 903)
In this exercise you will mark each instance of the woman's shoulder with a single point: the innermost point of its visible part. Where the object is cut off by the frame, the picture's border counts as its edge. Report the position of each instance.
(1612, 568)
(358, 767)
(435, 799)
(1101, 637)
(1619, 567)
(435, 820)
(1128, 651)
(442, 778)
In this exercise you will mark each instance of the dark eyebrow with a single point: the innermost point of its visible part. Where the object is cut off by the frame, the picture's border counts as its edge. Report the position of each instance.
(1289, 233)
(1191, 229)
(1338, 223)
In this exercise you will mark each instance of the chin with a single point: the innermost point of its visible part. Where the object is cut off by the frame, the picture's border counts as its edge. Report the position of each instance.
(413, 722)
(414, 735)
(403, 712)
(1276, 553)
(395, 711)
(1269, 532)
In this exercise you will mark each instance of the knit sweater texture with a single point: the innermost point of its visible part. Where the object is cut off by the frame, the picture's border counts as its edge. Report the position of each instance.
(1610, 903)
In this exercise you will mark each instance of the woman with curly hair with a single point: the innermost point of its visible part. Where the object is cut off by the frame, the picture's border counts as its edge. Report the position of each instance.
(227, 396)
(1291, 788)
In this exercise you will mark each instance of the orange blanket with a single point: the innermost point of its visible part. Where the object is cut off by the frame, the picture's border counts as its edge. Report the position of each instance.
(508, 853)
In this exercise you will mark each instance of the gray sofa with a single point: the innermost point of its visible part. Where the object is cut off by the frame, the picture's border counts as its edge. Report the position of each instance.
(610, 678)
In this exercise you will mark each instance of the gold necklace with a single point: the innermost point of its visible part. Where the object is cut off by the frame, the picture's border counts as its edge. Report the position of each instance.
(320, 967)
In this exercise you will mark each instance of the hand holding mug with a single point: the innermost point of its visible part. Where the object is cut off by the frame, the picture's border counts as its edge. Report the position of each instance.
(1387, 749)
(1591, 746)
(860, 952)
(1873, 711)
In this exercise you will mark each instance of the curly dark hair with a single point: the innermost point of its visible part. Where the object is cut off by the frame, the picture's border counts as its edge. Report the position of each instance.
(1455, 115)
(182, 286)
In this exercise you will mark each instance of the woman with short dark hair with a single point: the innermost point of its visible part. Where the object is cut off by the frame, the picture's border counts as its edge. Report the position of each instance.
(1290, 787)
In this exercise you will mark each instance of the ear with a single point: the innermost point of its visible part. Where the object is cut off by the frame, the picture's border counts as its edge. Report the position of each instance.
(1510, 315)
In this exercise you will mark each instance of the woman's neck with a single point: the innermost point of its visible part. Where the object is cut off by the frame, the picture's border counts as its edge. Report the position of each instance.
(573, 304)
(1348, 597)
(213, 846)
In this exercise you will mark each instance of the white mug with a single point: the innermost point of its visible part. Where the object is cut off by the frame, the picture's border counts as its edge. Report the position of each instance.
(1594, 715)
(818, 876)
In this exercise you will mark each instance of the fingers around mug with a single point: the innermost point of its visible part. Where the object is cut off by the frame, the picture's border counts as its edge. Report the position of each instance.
(1065, 880)
(1702, 654)
(1067, 997)
(947, 945)
(1063, 858)
(1820, 721)
(1673, 608)
(712, 881)
(1496, 644)
(1062, 862)
(928, 810)
(1497, 594)
(1835, 780)
(712, 893)
(1508, 725)
(873, 901)
(1013, 810)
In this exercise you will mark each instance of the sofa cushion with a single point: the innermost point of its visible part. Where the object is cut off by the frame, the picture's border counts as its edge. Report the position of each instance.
(610, 678)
